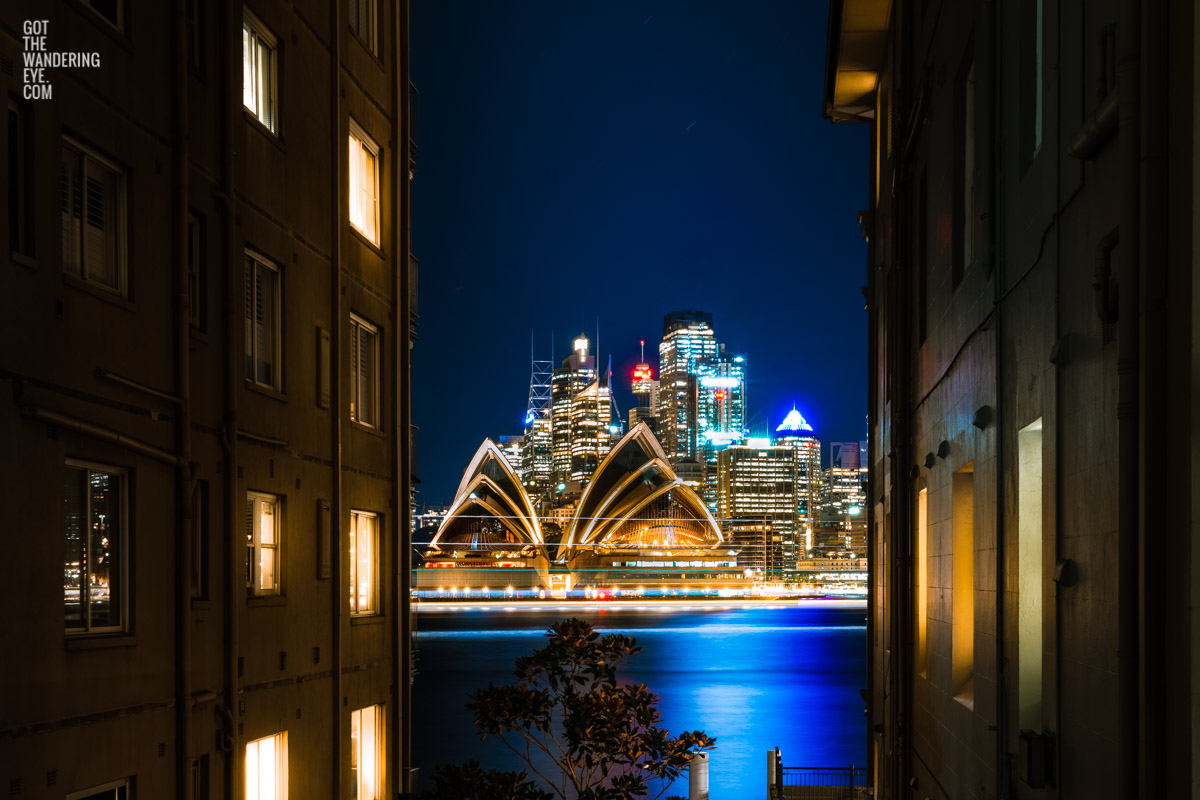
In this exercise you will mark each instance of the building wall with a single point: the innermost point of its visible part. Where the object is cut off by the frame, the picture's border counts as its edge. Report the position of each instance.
(1015, 602)
(190, 679)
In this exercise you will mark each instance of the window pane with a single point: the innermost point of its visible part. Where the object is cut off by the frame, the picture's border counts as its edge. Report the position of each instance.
(72, 210)
(366, 382)
(266, 90)
(368, 188)
(364, 558)
(266, 521)
(249, 98)
(104, 551)
(367, 756)
(73, 563)
(100, 231)
(264, 331)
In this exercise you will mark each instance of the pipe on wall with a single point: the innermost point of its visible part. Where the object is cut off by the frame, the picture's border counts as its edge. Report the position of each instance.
(184, 477)
(339, 190)
(1128, 342)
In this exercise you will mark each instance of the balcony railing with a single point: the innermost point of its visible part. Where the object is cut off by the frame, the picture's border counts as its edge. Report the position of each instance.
(821, 783)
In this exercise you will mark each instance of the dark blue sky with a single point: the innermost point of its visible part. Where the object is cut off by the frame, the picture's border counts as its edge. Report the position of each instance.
(624, 160)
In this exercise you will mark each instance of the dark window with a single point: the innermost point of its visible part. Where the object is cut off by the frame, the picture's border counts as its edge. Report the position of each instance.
(20, 187)
(922, 257)
(964, 174)
(363, 16)
(94, 582)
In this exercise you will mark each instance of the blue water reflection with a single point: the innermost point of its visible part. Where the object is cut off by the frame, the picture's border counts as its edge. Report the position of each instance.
(756, 677)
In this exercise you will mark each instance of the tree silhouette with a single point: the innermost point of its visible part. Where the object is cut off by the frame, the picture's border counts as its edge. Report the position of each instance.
(567, 705)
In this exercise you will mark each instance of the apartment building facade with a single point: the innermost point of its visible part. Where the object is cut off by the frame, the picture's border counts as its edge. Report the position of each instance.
(1031, 217)
(208, 310)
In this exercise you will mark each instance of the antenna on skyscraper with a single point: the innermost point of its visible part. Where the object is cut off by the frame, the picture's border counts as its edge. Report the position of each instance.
(539, 384)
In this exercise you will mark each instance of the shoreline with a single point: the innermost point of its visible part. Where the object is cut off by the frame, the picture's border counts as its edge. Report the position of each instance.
(640, 604)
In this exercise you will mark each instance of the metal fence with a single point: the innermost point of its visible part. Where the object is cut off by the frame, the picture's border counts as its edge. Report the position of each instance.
(821, 783)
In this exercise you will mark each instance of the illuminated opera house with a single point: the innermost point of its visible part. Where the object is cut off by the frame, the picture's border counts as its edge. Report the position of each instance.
(637, 521)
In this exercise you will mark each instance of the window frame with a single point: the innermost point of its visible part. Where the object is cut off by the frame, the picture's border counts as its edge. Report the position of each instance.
(281, 766)
(359, 142)
(356, 783)
(254, 260)
(369, 12)
(359, 328)
(372, 606)
(122, 608)
(257, 38)
(21, 217)
(119, 23)
(87, 156)
(111, 786)
(254, 546)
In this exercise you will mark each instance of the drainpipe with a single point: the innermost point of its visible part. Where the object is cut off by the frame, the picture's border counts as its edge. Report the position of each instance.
(1153, 322)
(1128, 341)
(402, 657)
(232, 366)
(184, 480)
(339, 192)
(987, 73)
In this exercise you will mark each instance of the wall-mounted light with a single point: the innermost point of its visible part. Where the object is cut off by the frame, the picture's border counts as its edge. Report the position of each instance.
(983, 417)
(930, 460)
(943, 449)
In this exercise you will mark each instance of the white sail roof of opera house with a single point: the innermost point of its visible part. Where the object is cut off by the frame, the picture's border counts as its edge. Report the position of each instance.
(491, 507)
(635, 499)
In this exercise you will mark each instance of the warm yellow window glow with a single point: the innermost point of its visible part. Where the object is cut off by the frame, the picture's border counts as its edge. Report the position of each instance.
(366, 753)
(266, 768)
(363, 170)
(922, 581)
(1029, 576)
(262, 543)
(363, 558)
(962, 637)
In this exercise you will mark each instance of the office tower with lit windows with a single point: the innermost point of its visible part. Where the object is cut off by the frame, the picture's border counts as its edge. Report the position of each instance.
(211, 437)
(687, 346)
(720, 414)
(537, 450)
(645, 389)
(795, 433)
(581, 413)
(757, 498)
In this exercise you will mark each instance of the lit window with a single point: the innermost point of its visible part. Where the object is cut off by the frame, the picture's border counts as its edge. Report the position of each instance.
(363, 16)
(94, 582)
(364, 557)
(117, 790)
(366, 753)
(262, 322)
(262, 544)
(93, 210)
(258, 72)
(266, 768)
(364, 364)
(364, 183)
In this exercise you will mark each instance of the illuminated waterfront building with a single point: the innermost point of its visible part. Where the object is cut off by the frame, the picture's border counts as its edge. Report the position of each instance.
(645, 389)
(757, 486)
(686, 347)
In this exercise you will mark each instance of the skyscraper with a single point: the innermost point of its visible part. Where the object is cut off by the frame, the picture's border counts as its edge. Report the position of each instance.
(795, 433)
(537, 449)
(756, 503)
(720, 414)
(687, 345)
(581, 413)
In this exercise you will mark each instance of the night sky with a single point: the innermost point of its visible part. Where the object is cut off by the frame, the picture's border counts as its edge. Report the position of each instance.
(621, 161)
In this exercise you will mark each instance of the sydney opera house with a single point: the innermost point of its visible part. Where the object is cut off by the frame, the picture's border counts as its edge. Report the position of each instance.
(636, 521)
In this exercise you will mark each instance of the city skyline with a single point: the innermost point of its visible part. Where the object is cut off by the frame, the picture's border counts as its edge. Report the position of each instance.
(562, 139)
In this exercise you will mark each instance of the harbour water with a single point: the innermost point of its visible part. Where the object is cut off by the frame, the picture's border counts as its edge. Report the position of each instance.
(755, 676)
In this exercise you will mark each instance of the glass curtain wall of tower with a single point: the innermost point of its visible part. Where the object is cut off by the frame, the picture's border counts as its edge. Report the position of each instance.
(687, 345)
(720, 414)
(756, 504)
(537, 452)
